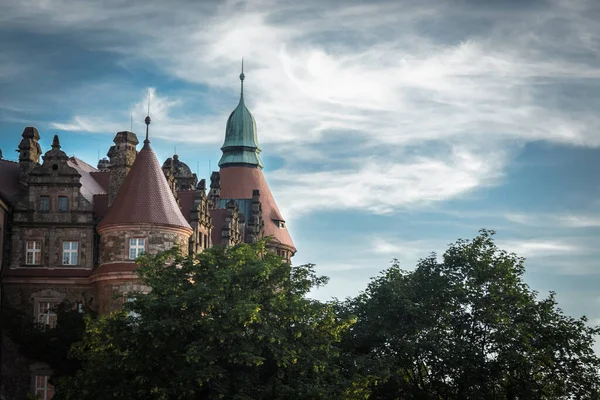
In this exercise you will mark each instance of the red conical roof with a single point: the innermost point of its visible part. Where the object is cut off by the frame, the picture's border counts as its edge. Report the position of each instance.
(145, 196)
(239, 182)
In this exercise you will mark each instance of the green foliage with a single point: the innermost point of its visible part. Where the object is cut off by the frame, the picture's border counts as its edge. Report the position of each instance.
(468, 327)
(51, 346)
(235, 323)
(230, 323)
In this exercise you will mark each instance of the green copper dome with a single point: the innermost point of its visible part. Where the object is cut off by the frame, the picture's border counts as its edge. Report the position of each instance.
(241, 141)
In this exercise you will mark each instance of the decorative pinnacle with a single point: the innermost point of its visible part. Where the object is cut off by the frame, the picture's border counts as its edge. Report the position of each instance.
(55, 142)
(147, 120)
(242, 76)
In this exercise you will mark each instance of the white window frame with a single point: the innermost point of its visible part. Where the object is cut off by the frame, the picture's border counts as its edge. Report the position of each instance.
(43, 387)
(33, 248)
(45, 312)
(70, 252)
(136, 248)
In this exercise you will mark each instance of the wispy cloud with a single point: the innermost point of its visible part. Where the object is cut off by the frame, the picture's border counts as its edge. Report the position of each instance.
(557, 220)
(541, 248)
(164, 125)
(417, 111)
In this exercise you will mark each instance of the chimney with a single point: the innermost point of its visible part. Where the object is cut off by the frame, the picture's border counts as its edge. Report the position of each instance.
(121, 155)
(29, 152)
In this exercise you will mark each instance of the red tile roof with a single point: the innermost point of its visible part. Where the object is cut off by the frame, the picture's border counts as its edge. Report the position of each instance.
(103, 179)
(239, 182)
(186, 201)
(145, 196)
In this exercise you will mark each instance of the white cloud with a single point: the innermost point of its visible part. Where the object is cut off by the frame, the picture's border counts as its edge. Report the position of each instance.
(381, 186)
(163, 126)
(317, 74)
(558, 220)
(541, 248)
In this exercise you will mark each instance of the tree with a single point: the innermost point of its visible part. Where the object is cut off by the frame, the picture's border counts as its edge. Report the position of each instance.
(230, 323)
(468, 327)
(51, 346)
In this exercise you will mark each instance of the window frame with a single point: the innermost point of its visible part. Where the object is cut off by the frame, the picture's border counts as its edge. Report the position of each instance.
(49, 305)
(46, 390)
(139, 250)
(33, 251)
(44, 197)
(70, 251)
(58, 207)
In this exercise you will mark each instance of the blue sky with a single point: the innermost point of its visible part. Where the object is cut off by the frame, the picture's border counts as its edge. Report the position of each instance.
(388, 129)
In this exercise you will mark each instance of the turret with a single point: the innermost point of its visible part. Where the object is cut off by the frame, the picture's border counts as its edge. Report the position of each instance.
(240, 180)
(184, 178)
(104, 165)
(122, 155)
(240, 148)
(29, 152)
(143, 218)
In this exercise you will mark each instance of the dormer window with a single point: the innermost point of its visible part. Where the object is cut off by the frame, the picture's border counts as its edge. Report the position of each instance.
(63, 203)
(44, 203)
(280, 223)
(137, 246)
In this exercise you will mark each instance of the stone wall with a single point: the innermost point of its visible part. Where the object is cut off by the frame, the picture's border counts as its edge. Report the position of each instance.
(111, 295)
(50, 225)
(114, 243)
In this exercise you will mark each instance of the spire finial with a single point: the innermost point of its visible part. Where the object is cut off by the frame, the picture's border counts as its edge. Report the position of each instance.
(242, 76)
(147, 120)
(56, 142)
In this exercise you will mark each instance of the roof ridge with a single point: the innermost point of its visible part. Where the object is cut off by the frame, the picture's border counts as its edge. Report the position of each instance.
(78, 160)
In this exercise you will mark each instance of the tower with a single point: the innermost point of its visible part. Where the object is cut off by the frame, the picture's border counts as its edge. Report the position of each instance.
(240, 147)
(144, 217)
(240, 178)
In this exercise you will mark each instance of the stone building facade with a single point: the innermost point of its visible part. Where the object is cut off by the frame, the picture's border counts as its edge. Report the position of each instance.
(70, 231)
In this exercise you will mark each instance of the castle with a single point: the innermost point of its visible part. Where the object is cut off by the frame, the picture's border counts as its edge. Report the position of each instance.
(69, 231)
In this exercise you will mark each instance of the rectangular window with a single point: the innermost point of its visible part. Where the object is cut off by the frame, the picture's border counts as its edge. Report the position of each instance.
(43, 389)
(70, 252)
(206, 241)
(136, 247)
(44, 203)
(33, 252)
(46, 313)
(63, 203)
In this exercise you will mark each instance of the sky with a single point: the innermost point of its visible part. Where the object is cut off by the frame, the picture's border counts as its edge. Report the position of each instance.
(388, 129)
